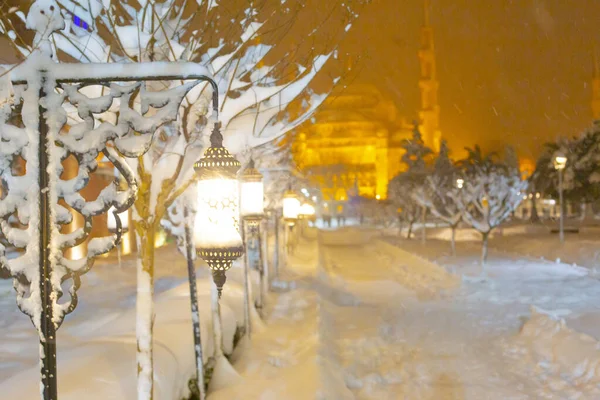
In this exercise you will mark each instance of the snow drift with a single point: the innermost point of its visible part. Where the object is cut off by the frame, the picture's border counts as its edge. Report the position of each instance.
(567, 362)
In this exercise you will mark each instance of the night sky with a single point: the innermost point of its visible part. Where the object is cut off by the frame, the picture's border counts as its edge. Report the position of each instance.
(511, 72)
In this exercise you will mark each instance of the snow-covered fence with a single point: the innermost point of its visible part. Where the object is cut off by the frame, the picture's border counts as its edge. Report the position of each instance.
(32, 118)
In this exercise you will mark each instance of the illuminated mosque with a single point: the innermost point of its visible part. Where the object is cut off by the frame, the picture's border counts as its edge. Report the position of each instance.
(353, 146)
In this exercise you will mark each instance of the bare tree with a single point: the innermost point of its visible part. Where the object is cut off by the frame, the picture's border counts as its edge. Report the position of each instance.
(488, 199)
(439, 192)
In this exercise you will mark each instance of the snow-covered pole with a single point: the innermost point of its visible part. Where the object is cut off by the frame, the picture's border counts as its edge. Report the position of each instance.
(189, 247)
(562, 207)
(47, 327)
(277, 247)
(246, 261)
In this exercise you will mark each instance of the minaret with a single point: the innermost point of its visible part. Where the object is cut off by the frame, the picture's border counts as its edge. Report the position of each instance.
(596, 88)
(428, 84)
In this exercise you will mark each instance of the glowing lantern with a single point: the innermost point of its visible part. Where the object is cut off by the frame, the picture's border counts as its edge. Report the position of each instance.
(560, 161)
(252, 193)
(216, 236)
(291, 207)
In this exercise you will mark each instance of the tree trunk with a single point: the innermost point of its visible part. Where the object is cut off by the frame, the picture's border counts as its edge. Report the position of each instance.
(453, 240)
(410, 226)
(535, 217)
(277, 248)
(400, 225)
(145, 311)
(484, 251)
(423, 220)
(246, 261)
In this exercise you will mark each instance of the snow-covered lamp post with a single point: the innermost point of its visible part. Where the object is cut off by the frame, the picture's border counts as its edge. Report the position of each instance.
(291, 213)
(252, 212)
(560, 162)
(118, 222)
(216, 228)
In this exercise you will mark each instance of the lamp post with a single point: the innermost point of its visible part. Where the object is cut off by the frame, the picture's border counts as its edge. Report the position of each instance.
(189, 254)
(560, 162)
(216, 234)
(277, 244)
(291, 212)
(112, 225)
(252, 212)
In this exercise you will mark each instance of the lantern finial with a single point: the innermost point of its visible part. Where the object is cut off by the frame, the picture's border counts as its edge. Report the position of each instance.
(216, 138)
(219, 278)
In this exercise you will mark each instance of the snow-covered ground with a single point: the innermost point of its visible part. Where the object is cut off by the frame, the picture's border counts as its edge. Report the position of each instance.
(354, 315)
(96, 344)
(361, 318)
(535, 240)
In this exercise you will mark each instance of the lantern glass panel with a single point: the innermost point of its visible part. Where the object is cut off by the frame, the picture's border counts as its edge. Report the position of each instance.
(291, 208)
(216, 225)
(252, 199)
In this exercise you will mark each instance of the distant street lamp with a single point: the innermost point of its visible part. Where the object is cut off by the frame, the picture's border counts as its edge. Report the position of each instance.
(216, 236)
(252, 193)
(291, 213)
(291, 207)
(560, 162)
(252, 212)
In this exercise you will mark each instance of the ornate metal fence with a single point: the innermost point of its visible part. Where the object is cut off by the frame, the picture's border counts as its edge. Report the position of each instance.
(35, 132)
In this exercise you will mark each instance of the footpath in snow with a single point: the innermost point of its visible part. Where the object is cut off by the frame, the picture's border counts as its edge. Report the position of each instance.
(360, 318)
